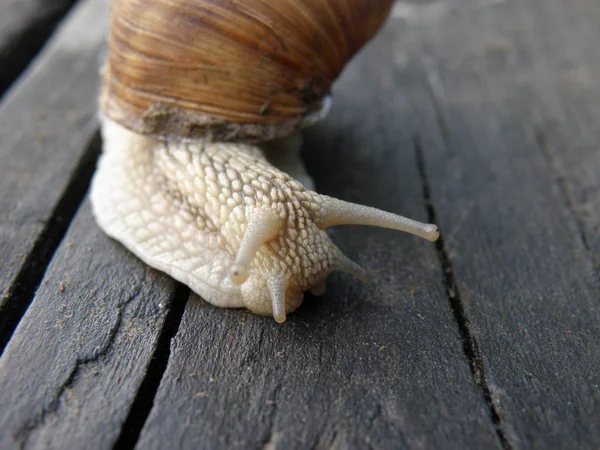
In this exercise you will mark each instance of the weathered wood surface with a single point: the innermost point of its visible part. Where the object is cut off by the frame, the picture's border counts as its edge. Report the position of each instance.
(45, 125)
(480, 114)
(345, 373)
(79, 360)
(75, 364)
(24, 28)
(509, 104)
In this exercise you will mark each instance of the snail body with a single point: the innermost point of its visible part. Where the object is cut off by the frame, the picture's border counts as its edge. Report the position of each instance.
(194, 95)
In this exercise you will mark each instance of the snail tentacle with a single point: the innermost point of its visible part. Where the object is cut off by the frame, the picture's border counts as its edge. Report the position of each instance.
(223, 220)
(338, 212)
(346, 265)
(264, 225)
(276, 284)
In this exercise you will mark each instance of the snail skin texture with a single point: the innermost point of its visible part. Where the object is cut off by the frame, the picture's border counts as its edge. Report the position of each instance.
(194, 96)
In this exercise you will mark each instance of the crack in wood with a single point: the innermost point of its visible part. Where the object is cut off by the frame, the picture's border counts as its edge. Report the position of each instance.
(435, 89)
(144, 398)
(22, 292)
(560, 179)
(377, 414)
(22, 435)
(325, 440)
(470, 344)
(269, 442)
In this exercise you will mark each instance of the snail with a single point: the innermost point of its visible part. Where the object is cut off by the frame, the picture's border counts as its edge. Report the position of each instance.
(195, 95)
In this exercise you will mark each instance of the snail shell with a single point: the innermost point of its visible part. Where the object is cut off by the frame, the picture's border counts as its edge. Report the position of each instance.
(187, 85)
(236, 71)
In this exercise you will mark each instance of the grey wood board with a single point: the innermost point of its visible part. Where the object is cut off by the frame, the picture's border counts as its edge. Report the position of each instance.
(509, 104)
(17, 15)
(24, 26)
(73, 368)
(377, 366)
(568, 108)
(44, 122)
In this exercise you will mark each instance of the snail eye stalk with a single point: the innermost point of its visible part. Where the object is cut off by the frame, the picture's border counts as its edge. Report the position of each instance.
(338, 212)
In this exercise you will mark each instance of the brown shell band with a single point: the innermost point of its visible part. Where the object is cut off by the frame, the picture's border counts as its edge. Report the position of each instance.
(166, 122)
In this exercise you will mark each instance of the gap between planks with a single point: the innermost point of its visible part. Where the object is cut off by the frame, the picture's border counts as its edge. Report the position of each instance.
(471, 347)
(144, 398)
(542, 144)
(36, 263)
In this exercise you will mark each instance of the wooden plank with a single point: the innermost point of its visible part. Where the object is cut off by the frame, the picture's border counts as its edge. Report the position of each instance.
(24, 27)
(75, 364)
(509, 106)
(566, 118)
(377, 366)
(45, 123)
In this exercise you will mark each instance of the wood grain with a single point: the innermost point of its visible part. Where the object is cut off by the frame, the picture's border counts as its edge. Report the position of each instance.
(508, 101)
(25, 25)
(79, 360)
(46, 123)
(481, 115)
(73, 368)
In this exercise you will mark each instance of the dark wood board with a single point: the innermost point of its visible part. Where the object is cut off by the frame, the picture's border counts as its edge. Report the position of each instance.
(24, 28)
(567, 111)
(45, 124)
(79, 360)
(508, 97)
(379, 366)
(76, 362)
(479, 113)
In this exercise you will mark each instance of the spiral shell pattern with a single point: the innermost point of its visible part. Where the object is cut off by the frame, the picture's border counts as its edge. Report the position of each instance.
(229, 70)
